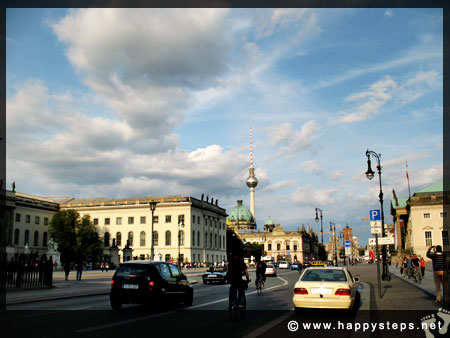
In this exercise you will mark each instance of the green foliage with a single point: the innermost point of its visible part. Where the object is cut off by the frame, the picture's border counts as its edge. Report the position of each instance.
(77, 238)
(256, 250)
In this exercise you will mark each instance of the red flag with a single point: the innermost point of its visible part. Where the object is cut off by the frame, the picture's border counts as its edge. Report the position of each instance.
(407, 176)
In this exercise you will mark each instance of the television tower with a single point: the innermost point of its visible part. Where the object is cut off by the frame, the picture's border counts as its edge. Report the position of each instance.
(252, 182)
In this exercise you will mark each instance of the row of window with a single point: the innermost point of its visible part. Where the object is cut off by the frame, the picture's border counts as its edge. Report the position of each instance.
(288, 247)
(26, 238)
(37, 219)
(219, 241)
(428, 215)
(429, 238)
(143, 220)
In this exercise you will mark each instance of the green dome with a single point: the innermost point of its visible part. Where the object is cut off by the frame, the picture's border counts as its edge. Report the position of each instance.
(269, 222)
(240, 214)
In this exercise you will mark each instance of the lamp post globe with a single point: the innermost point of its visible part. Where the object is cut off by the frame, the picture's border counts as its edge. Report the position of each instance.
(152, 209)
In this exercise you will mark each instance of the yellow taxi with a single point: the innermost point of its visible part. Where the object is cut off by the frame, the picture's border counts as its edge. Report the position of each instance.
(317, 263)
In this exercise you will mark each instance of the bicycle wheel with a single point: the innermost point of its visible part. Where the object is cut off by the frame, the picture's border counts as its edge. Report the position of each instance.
(233, 311)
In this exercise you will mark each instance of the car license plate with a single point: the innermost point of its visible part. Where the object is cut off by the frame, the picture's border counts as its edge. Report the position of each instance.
(211, 276)
(130, 286)
(321, 291)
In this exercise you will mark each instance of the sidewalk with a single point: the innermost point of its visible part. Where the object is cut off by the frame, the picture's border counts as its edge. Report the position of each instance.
(427, 283)
(93, 282)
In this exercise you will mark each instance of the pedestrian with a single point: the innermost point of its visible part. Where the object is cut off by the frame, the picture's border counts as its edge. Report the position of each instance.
(55, 265)
(410, 267)
(102, 266)
(415, 262)
(67, 269)
(405, 266)
(439, 272)
(422, 266)
(106, 266)
(79, 269)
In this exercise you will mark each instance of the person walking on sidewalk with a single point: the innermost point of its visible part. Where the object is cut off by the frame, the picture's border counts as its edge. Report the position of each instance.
(416, 266)
(79, 269)
(67, 269)
(422, 266)
(405, 266)
(439, 272)
(410, 267)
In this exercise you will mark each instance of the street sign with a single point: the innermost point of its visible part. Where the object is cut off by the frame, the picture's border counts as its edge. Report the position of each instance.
(374, 231)
(375, 215)
(348, 251)
(382, 241)
(375, 224)
(347, 244)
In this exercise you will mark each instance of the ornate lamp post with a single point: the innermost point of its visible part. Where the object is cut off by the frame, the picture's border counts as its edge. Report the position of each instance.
(370, 174)
(180, 223)
(321, 222)
(334, 248)
(152, 208)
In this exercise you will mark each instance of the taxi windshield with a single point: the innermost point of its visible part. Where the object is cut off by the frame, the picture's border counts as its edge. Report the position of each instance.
(326, 275)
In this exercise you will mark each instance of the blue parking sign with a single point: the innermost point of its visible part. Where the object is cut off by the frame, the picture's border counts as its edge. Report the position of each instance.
(375, 215)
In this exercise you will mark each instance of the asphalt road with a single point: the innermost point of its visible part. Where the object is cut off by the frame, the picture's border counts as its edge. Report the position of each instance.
(268, 314)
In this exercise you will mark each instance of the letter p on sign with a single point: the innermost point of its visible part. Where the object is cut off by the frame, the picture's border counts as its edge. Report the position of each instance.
(375, 215)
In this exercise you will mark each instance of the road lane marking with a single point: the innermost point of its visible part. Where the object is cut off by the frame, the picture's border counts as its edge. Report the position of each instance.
(269, 325)
(285, 282)
(100, 327)
(79, 308)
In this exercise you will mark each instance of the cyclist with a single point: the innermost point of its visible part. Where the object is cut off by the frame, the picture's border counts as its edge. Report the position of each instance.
(260, 272)
(236, 270)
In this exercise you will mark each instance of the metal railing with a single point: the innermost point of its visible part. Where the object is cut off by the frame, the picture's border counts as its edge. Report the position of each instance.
(26, 273)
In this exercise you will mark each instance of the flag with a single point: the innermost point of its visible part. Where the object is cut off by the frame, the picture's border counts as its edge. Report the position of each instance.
(407, 176)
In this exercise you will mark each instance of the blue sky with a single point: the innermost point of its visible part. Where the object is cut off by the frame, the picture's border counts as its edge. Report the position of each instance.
(124, 102)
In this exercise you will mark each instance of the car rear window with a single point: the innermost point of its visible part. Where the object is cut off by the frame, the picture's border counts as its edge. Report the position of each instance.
(132, 269)
(324, 275)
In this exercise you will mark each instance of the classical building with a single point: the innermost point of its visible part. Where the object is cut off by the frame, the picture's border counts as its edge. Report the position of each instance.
(199, 223)
(422, 220)
(194, 228)
(26, 219)
(301, 245)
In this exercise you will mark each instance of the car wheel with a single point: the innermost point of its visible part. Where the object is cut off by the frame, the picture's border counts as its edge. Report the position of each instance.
(205, 282)
(298, 310)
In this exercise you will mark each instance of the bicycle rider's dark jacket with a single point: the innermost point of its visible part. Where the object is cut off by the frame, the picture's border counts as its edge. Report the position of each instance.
(236, 268)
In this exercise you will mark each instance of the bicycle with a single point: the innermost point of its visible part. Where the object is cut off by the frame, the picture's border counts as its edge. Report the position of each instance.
(234, 308)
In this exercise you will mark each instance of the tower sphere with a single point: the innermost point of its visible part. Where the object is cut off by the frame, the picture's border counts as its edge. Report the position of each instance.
(252, 181)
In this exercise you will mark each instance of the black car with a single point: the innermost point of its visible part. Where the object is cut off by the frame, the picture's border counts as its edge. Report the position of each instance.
(149, 282)
(215, 274)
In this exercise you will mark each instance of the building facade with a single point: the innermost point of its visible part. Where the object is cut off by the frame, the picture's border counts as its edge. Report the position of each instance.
(26, 222)
(422, 220)
(194, 229)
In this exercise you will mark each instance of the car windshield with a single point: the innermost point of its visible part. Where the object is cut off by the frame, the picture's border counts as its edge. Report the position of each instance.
(132, 269)
(326, 275)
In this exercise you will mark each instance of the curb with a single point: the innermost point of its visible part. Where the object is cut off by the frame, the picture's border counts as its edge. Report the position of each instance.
(65, 296)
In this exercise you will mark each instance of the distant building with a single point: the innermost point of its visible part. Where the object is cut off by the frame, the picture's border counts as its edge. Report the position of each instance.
(301, 245)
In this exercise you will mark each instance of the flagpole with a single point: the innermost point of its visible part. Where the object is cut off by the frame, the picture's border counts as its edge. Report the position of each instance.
(407, 176)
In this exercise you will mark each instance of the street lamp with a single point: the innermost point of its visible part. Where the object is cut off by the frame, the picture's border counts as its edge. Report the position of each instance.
(321, 222)
(152, 208)
(370, 174)
(180, 223)
(333, 228)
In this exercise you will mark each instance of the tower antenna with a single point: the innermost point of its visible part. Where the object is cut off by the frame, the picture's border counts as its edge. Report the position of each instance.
(251, 148)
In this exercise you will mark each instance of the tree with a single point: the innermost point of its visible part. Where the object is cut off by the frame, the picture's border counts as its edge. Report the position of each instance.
(76, 238)
(256, 250)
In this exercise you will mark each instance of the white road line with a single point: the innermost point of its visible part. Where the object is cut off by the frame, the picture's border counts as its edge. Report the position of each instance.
(80, 308)
(100, 327)
(285, 282)
(269, 325)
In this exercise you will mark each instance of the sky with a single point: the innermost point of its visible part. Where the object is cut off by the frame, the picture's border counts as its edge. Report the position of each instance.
(148, 102)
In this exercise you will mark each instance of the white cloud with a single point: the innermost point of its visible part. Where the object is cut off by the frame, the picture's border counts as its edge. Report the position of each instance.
(311, 167)
(371, 101)
(291, 141)
(279, 185)
(313, 197)
(389, 13)
(146, 62)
